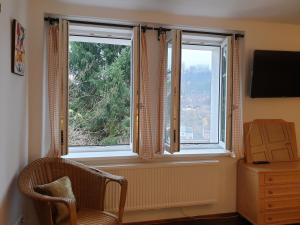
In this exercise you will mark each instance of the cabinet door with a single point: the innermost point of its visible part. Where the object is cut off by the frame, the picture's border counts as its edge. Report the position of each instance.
(256, 149)
(270, 140)
(278, 141)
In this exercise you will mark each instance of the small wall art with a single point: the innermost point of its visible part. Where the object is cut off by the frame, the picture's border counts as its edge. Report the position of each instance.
(18, 48)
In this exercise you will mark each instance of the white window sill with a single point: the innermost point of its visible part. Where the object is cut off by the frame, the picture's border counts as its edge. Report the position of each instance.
(100, 154)
(127, 157)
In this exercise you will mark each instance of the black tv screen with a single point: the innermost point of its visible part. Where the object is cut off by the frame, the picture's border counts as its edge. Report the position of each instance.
(275, 74)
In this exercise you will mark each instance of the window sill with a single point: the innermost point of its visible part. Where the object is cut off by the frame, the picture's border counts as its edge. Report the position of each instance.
(124, 158)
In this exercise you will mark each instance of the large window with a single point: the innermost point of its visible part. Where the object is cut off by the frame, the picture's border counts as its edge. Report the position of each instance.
(203, 93)
(104, 96)
(99, 87)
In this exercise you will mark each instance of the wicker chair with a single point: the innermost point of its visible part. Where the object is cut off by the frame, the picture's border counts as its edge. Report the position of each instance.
(88, 185)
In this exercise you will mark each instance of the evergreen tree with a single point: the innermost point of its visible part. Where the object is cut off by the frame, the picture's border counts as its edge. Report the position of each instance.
(99, 94)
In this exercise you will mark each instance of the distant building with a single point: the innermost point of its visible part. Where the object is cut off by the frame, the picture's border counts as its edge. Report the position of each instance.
(186, 133)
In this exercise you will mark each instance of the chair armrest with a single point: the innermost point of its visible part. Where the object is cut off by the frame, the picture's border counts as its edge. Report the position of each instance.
(122, 181)
(69, 202)
(107, 175)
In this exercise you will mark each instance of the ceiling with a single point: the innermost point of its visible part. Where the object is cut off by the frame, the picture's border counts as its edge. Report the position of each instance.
(286, 11)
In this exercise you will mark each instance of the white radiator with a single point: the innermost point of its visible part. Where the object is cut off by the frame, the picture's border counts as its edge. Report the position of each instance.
(163, 185)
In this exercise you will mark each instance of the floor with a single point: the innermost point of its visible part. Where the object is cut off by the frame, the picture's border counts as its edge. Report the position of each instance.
(231, 220)
(228, 221)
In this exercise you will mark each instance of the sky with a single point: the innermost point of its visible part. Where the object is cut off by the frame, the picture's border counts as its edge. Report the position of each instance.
(192, 57)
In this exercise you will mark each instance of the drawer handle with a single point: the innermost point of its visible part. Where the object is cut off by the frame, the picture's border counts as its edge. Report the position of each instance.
(270, 205)
(270, 192)
(270, 179)
(269, 218)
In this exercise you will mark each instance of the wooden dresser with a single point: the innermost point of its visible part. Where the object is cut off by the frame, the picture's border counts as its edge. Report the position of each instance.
(269, 193)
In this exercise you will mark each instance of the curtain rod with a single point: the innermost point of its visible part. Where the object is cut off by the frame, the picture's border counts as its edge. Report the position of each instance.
(160, 29)
(96, 36)
(214, 33)
(50, 19)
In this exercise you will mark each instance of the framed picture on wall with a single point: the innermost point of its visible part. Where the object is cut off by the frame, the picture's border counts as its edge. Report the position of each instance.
(18, 48)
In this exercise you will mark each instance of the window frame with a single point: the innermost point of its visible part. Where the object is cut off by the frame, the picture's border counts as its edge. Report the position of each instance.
(134, 109)
(226, 41)
(214, 49)
(228, 116)
(174, 37)
(134, 94)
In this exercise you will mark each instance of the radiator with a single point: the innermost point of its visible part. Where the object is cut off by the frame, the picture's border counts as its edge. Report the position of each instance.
(164, 185)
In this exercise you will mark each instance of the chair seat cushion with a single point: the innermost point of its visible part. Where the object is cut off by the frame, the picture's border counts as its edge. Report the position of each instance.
(94, 217)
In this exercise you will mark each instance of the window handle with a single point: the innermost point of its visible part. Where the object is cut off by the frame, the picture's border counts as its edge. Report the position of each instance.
(174, 135)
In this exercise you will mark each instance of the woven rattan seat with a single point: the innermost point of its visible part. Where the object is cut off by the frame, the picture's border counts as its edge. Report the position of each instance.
(94, 217)
(88, 185)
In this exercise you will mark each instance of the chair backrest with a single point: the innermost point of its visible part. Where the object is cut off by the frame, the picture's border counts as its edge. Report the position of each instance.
(89, 190)
(36, 173)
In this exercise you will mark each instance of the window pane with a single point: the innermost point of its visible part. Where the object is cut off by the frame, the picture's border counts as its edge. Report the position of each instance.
(223, 94)
(168, 98)
(99, 93)
(199, 118)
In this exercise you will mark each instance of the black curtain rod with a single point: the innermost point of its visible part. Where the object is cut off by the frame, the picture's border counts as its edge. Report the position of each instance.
(90, 23)
(96, 36)
(214, 33)
(194, 31)
(144, 28)
(101, 24)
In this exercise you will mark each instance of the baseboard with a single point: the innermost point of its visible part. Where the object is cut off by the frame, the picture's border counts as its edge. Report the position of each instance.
(212, 218)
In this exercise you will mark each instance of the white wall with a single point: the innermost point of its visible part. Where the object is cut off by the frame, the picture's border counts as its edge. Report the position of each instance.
(13, 116)
(259, 35)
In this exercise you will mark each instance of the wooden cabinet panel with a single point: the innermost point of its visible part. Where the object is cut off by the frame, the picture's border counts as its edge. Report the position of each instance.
(282, 178)
(278, 141)
(269, 194)
(255, 141)
(279, 203)
(278, 191)
(284, 217)
(270, 140)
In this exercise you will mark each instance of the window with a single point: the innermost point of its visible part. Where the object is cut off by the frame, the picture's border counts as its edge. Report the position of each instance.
(104, 96)
(99, 87)
(172, 84)
(203, 92)
(199, 98)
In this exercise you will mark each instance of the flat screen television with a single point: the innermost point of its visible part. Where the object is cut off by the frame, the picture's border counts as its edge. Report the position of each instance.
(275, 74)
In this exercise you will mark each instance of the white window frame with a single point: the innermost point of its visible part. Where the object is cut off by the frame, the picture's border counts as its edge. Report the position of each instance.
(225, 41)
(111, 34)
(214, 125)
(174, 146)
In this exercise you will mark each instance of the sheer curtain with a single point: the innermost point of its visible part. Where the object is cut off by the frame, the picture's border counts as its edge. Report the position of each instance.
(146, 141)
(237, 104)
(57, 69)
(152, 73)
(161, 97)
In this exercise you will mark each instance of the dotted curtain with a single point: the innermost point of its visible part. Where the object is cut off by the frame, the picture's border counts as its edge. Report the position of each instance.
(237, 106)
(146, 142)
(57, 87)
(162, 94)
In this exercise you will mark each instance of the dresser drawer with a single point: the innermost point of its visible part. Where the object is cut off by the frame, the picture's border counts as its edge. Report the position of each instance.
(278, 191)
(274, 204)
(282, 178)
(284, 217)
